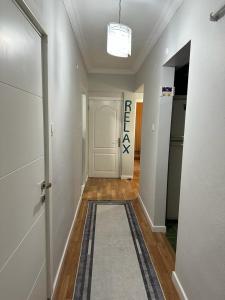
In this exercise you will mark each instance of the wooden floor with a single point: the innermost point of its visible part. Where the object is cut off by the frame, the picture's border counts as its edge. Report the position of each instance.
(161, 252)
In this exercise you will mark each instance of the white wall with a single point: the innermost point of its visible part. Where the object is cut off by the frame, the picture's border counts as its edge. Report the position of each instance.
(139, 97)
(67, 140)
(111, 83)
(65, 82)
(200, 254)
(162, 148)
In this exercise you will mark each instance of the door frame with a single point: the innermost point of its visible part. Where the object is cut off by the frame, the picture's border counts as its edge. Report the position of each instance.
(163, 133)
(109, 98)
(85, 156)
(28, 14)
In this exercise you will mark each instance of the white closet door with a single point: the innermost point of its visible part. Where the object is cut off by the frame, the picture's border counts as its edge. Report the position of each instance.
(22, 213)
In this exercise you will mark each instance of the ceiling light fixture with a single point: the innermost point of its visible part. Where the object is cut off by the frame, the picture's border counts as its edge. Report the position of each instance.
(119, 38)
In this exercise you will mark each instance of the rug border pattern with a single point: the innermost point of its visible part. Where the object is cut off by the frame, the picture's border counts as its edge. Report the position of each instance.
(82, 289)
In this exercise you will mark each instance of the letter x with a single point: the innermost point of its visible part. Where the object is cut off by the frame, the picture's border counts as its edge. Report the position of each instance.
(126, 149)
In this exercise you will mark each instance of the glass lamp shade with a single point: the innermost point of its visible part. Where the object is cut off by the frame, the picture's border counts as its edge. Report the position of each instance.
(119, 40)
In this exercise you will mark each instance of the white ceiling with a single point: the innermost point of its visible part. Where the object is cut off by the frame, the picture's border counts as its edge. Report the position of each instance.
(147, 19)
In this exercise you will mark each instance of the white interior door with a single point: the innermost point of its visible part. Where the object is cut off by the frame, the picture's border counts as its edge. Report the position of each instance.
(22, 213)
(104, 135)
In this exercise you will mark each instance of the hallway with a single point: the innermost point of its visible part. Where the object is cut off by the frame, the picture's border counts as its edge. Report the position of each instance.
(87, 86)
(158, 246)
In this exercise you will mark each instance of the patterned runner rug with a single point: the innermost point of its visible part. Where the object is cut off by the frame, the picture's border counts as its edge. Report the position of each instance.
(114, 261)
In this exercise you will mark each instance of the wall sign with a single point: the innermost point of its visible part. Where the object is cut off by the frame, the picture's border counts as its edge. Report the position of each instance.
(167, 91)
(126, 130)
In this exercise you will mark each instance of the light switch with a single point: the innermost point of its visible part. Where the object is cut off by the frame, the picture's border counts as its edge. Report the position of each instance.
(153, 127)
(52, 129)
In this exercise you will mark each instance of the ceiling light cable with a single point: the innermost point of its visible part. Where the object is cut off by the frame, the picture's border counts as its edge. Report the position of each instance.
(119, 37)
(120, 11)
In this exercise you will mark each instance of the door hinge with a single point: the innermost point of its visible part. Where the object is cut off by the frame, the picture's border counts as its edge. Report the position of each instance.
(119, 142)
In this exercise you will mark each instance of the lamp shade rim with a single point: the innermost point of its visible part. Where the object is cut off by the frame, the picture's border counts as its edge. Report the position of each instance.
(119, 40)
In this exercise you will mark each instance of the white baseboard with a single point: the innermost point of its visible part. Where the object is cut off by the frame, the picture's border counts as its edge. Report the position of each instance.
(154, 228)
(178, 286)
(123, 177)
(67, 240)
(83, 186)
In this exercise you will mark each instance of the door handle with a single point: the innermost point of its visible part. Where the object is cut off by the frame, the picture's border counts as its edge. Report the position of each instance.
(45, 186)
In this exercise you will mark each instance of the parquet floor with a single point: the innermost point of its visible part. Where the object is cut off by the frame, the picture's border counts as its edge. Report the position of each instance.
(161, 252)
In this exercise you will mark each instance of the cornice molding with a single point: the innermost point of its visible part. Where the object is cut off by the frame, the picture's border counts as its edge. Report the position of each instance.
(166, 15)
(73, 14)
(157, 31)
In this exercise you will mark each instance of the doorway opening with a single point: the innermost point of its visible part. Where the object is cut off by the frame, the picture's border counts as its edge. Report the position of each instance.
(181, 63)
(139, 96)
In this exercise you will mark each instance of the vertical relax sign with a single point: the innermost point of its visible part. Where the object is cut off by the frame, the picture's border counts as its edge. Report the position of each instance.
(126, 130)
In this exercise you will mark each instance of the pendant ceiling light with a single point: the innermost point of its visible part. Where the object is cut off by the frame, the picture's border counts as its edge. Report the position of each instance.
(119, 38)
